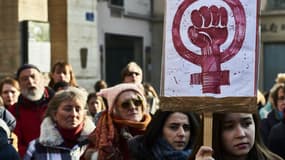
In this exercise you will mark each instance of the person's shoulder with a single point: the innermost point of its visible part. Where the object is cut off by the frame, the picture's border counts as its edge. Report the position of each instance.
(7, 151)
(2, 110)
(32, 148)
(272, 115)
(137, 148)
(49, 92)
(3, 136)
(278, 128)
(137, 139)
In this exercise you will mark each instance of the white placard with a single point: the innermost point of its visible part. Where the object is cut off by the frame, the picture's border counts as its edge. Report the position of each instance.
(210, 48)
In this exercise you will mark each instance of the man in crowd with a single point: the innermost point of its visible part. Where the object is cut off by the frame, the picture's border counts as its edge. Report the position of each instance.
(31, 105)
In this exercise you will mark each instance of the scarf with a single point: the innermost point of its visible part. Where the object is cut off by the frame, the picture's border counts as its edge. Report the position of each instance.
(106, 134)
(163, 150)
(70, 136)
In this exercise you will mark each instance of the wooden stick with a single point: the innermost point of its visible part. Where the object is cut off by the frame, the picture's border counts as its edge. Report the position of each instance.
(208, 126)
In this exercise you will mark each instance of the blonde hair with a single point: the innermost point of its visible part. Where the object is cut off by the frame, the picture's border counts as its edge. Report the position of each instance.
(280, 78)
(70, 93)
(260, 98)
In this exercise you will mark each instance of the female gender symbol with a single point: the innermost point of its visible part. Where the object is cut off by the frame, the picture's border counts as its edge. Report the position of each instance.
(209, 32)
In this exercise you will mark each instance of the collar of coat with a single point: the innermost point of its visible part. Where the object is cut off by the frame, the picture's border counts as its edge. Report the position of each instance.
(50, 136)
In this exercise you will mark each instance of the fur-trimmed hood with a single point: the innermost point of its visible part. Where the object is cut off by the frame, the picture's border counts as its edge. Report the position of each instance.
(50, 136)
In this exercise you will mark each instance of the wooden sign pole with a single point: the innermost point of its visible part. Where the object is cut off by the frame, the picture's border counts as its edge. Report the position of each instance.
(208, 126)
(209, 106)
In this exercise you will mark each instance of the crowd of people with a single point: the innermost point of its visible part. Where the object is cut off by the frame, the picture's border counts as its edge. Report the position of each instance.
(62, 121)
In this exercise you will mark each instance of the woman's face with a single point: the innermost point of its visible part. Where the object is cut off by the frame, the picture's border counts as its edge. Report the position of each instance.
(70, 114)
(281, 100)
(176, 130)
(94, 105)
(9, 94)
(134, 75)
(129, 106)
(61, 74)
(238, 134)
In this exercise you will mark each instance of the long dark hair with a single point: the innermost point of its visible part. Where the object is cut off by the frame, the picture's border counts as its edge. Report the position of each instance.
(155, 127)
(259, 150)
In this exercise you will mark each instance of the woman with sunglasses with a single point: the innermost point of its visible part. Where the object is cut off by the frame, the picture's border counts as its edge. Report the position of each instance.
(132, 73)
(124, 118)
(170, 135)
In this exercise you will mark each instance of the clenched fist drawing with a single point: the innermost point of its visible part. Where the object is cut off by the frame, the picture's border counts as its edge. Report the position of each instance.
(209, 29)
(208, 32)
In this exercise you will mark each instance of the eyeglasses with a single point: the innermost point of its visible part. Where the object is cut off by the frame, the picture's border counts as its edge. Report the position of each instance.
(282, 98)
(132, 73)
(128, 103)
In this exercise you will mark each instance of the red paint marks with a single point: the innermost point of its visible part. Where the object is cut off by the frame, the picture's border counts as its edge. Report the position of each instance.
(209, 31)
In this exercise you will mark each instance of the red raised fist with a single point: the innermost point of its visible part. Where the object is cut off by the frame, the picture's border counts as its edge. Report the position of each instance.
(209, 29)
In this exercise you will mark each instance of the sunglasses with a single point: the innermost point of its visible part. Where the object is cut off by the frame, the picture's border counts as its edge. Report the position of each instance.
(128, 103)
(133, 73)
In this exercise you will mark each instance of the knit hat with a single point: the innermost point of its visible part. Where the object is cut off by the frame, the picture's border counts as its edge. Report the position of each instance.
(112, 93)
(26, 66)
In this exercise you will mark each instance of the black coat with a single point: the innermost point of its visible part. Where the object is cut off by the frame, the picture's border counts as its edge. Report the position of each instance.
(137, 149)
(276, 139)
(7, 151)
(267, 123)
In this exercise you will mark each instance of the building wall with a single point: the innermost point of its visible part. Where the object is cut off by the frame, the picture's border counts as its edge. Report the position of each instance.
(159, 7)
(33, 10)
(11, 13)
(121, 25)
(9, 38)
(70, 31)
(157, 42)
(82, 34)
(57, 17)
(126, 24)
(272, 32)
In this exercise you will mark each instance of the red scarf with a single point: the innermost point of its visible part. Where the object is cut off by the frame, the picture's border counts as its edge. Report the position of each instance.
(104, 136)
(70, 136)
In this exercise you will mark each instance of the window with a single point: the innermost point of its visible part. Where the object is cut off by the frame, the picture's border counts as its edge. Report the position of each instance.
(275, 4)
(117, 2)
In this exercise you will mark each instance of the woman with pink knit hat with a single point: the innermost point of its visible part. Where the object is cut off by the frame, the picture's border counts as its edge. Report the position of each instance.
(125, 117)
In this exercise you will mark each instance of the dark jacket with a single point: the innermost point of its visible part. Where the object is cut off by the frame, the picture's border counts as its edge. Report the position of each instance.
(267, 123)
(137, 149)
(276, 139)
(161, 149)
(7, 151)
(29, 115)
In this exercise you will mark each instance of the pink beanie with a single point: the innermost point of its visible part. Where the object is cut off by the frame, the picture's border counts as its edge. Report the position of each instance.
(112, 93)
